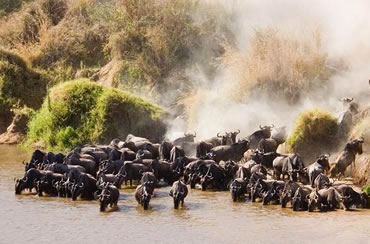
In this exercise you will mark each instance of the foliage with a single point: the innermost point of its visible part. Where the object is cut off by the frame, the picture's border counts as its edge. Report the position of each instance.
(19, 85)
(366, 189)
(80, 111)
(313, 133)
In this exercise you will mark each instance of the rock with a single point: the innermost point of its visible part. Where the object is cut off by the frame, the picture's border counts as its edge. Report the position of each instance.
(16, 130)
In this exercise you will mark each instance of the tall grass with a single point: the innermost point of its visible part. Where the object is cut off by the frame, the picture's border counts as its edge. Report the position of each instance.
(279, 64)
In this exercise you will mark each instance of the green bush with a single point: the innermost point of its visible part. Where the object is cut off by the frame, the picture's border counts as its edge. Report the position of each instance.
(367, 190)
(81, 111)
(313, 134)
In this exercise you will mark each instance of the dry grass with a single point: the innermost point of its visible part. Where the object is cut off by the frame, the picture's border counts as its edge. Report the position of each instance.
(278, 64)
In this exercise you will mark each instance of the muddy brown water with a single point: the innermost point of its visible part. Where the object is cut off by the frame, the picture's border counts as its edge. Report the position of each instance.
(207, 217)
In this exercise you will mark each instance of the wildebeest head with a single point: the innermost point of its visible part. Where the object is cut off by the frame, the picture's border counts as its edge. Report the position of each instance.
(76, 190)
(237, 189)
(189, 137)
(299, 200)
(146, 196)
(231, 167)
(61, 188)
(323, 160)
(223, 138)
(205, 180)
(104, 197)
(356, 145)
(41, 185)
(233, 135)
(314, 200)
(266, 130)
(19, 185)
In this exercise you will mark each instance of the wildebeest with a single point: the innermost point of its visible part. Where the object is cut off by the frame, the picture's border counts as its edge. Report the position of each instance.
(144, 154)
(300, 199)
(143, 194)
(321, 181)
(263, 133)
(351, 197)
(214, 177)
(115, 180)
(110, 167)
(234, 151)
(91, 166)
(176, 152)
(165, 150)
(289, 165)
(149, 179)
(274, 192)
(238, 189)
(133, 171)
(279, 135)
(109, 196)
(178, 192)
(232, 136)
(205, 146)
(289, 190)
(29, 180)
(46, 183)
(267, 145)
(186, 138)
(84, 187)
(347, 156)
(319, 166)
(324, 199)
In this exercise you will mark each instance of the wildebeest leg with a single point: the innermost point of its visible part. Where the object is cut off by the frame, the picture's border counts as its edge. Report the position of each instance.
(182, 202)
(130, 182)
(125, 182)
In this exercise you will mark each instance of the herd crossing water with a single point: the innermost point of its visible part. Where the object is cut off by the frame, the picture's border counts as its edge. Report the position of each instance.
(207, 217)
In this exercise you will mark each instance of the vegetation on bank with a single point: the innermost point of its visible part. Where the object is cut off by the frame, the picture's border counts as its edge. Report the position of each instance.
(145, 42)
(81, 111)
(21, 88)
(313, 134)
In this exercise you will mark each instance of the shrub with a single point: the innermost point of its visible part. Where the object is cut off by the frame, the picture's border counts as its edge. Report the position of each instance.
(366, 189)
(313, 134)
(80, 111)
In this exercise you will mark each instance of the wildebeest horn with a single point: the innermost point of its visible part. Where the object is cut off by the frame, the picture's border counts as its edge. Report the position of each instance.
(237, 132)
(81, 184)
(272, 125)
(186, 134)
(261, 127)
(218, 134)
(25, 180)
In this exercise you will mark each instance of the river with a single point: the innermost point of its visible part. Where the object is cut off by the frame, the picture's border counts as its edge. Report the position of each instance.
(207, 217)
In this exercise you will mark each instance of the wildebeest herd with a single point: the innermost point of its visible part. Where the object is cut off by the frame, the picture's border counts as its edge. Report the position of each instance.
(248, 167)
